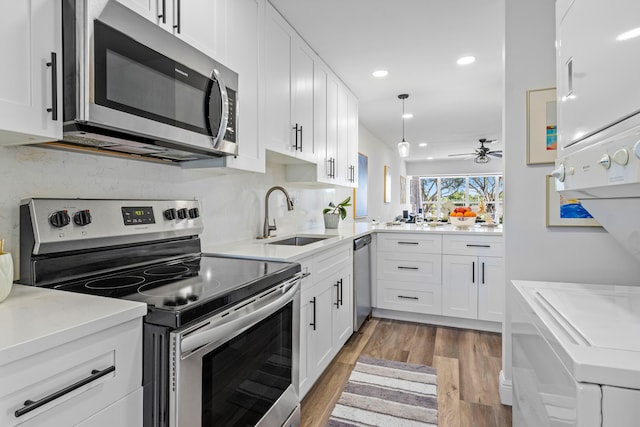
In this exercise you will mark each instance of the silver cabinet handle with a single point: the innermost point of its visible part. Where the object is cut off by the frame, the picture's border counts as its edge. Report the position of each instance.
(407, 268)
(406, 297)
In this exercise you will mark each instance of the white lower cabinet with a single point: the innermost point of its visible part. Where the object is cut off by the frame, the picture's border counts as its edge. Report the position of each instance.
(326, 317)
(95, 380)
(473, 284)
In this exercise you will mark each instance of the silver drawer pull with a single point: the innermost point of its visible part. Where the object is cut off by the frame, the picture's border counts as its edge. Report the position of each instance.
(405, 297)
(407, 268)
(408, 243)
(478, 246)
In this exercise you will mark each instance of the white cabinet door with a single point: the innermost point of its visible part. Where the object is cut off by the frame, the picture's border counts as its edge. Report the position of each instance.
(598, 76)
(244, 29)
(277, 83)
(332, 127)
(302, 62)
(491, 289)
(459, 286)
(342, 309)
(320, 123)
(343, 135)
(202, 24)
(320, 331)
(31, 83)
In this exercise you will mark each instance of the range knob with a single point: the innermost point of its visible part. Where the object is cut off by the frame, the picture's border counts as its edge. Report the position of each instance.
(82, 217)
(182, 213)
(170, 214)
(59, 219)
(194, 213)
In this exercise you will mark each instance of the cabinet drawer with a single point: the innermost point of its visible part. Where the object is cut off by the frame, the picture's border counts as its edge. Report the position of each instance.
(423, 268)
(408, 296)
(326, 262)
(48, 372)
(409, 243)
(473, 245)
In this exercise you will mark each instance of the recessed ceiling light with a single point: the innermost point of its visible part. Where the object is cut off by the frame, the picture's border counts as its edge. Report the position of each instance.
(422, 144)
(629, 34)
(429, 158)
(407, 116)
(466, 60)
(380, 73)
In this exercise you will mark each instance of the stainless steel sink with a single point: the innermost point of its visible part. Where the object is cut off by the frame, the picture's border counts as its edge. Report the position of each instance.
(298, 241)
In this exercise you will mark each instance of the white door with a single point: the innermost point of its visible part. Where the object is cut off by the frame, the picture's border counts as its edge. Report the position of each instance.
(459, 286)
(491, 289)
(332, 127)
(277, 83)
(31, 87)
(302, 91)
(343, 310)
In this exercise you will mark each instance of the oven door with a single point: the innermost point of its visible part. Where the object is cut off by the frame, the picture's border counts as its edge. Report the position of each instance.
(241, 366)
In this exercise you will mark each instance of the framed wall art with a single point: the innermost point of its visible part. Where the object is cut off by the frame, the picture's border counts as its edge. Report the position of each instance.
(562, 212)
(403, 189)
(542, 132)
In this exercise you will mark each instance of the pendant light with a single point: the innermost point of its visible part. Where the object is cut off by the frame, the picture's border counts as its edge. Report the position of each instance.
(403, 146)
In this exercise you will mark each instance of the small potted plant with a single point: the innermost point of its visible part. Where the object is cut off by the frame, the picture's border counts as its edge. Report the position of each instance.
(333, 213)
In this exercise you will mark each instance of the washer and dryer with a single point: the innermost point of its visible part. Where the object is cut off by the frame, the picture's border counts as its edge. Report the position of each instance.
(576, 354)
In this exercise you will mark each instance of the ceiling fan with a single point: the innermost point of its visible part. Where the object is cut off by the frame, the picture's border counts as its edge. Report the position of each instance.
(482, 154)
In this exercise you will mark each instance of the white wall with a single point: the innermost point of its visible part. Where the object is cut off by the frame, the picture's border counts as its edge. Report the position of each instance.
(381, 154)
(533, 251)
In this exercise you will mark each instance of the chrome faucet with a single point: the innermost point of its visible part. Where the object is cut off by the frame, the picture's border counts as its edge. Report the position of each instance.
(268, 228)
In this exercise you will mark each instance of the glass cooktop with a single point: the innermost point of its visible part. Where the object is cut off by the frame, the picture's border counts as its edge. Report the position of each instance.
(183, 290)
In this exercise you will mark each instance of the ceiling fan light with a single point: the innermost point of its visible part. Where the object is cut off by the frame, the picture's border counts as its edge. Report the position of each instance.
(403, 148)
(482, 159)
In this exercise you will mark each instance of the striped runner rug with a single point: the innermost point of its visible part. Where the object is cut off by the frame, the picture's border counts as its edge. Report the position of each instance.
(386, 393)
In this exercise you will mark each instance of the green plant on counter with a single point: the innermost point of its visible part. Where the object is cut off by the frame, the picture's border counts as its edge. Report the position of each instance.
(339, 208)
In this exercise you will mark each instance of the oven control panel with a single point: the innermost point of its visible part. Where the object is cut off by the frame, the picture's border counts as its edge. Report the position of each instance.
(69, 224)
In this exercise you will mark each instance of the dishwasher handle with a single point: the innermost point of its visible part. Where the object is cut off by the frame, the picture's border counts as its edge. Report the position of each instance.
(361, 242)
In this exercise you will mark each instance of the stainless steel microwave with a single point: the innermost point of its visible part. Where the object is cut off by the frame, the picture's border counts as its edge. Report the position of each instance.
(131, 87)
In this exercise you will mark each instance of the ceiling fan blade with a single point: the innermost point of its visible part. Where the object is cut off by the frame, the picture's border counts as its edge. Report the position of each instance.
(463, 154)
(495, 153)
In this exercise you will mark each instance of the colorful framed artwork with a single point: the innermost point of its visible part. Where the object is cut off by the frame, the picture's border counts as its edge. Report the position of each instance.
(360, 205)
(542, 131)
(563, 212)
(387, 184)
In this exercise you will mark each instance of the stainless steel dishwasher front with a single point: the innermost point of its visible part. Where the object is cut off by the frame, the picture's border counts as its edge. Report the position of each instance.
(362, 280)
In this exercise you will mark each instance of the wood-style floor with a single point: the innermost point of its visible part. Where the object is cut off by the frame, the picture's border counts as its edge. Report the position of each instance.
(468, 363)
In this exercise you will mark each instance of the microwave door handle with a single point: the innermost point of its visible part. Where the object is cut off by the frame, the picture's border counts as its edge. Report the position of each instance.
(232, 328)
(224, 120)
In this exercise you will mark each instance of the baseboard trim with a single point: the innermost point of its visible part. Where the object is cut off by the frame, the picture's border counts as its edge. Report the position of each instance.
(505, 389)
(433, 319)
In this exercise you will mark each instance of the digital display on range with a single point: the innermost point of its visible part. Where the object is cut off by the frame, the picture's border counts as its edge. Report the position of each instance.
(138, 215)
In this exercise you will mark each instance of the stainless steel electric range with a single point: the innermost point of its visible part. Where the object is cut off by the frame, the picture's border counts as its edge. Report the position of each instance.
(220, 335)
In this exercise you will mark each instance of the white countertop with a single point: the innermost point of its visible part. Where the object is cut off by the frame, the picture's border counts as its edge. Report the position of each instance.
(34, 319)
(261, 249)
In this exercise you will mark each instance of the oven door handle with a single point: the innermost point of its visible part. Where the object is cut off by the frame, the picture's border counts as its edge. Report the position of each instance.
(234, 327)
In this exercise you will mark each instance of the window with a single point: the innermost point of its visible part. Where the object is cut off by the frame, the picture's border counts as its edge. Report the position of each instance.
(431, 193)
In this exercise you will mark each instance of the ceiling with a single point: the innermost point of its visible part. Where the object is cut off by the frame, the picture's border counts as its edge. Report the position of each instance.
(418, 42)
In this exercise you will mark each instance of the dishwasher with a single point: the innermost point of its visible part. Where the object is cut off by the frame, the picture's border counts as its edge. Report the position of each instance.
(362, 280)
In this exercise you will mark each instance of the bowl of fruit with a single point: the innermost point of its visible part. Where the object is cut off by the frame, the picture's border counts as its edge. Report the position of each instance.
(462, 217)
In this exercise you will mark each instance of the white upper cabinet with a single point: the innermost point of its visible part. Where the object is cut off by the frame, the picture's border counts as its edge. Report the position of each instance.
(201, 23)
(31, 87)
(289, 90)
(352, 141)
(598, 68)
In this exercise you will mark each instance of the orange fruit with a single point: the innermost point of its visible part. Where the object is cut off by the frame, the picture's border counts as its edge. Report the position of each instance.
(469, 214)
